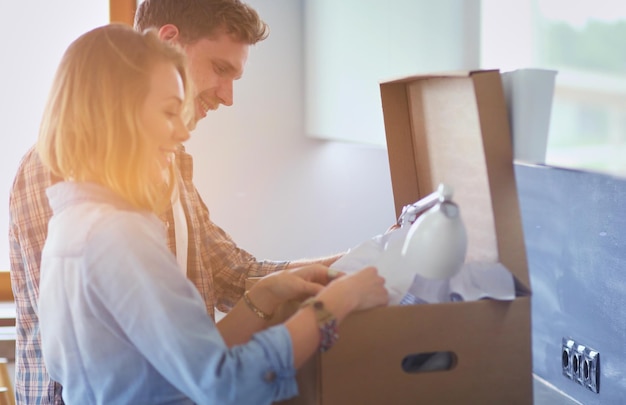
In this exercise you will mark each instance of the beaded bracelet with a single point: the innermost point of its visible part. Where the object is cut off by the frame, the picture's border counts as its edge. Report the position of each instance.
(255, 309)
(327, 323)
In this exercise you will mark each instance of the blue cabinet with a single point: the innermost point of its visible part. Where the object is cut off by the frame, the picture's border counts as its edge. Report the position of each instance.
(575, 233)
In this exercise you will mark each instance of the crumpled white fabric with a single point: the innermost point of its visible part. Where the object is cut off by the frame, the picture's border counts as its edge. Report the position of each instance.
(475, 281)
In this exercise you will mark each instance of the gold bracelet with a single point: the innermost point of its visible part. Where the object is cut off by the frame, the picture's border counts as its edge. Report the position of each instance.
(255, 309)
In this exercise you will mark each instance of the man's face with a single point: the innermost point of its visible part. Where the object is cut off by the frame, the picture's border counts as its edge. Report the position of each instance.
(214, 64)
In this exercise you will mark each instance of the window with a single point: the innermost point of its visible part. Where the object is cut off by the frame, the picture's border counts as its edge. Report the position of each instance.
(350, 47)
(584, 43)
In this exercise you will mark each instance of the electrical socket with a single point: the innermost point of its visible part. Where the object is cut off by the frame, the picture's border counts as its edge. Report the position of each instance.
(591, 370)
(580, 364)
(567, 348)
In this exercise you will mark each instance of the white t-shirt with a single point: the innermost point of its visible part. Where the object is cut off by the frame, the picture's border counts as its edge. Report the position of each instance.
(180, 230)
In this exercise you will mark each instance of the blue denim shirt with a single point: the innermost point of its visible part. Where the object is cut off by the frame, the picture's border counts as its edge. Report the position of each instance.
(120, 324)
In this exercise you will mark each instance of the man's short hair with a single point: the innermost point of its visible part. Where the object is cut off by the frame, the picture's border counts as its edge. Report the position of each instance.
(198, 19)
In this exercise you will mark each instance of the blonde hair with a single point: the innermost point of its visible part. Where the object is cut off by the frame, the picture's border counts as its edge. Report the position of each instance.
(91, 130)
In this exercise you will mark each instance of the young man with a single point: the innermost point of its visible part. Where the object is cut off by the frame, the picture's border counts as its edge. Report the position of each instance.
(216, 36)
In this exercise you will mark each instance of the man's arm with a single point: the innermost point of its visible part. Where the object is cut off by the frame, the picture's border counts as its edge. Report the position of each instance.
(326, 261)
(29, 213)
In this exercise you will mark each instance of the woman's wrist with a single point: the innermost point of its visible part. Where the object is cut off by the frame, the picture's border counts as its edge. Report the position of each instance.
(266, 316)
(326, 322)
(339, 304)
(260, 301)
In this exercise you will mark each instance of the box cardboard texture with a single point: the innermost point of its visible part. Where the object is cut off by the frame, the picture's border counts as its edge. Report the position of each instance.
(450, 128)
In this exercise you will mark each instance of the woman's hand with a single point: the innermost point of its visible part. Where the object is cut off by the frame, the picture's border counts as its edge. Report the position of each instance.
(266, 295)
(356, 291)
(292, 284)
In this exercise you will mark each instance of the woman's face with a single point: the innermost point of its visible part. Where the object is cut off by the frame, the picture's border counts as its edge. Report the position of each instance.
(161, 115)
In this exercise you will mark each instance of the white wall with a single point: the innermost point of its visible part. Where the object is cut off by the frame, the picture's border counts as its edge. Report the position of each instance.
(351, 45)
(35, 35)
(280, 194)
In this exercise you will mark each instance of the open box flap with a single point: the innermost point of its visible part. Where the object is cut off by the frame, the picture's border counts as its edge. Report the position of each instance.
(454, 129)
(455, 73)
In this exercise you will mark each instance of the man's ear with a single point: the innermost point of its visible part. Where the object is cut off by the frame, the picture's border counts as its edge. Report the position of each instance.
(169, 33)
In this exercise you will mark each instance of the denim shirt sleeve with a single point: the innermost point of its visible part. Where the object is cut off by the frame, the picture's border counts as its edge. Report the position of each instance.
(140, 290)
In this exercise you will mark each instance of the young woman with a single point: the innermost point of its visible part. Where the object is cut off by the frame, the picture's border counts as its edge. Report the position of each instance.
(120, 323)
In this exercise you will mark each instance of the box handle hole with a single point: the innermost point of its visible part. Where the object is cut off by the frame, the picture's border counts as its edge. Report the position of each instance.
(428, 362)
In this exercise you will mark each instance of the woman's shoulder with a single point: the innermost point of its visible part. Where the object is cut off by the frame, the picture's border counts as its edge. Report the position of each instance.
(126, 225)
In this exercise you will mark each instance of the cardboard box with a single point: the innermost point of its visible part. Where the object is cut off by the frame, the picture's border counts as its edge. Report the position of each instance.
(450, 128)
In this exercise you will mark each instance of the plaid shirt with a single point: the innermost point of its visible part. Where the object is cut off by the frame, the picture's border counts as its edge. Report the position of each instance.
(215, 264)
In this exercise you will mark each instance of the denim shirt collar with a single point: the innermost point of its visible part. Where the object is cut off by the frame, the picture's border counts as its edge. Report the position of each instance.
(66, 193)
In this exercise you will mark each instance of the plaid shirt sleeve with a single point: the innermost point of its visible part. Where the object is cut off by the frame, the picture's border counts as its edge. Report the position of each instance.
(29, 214)
(216, 265)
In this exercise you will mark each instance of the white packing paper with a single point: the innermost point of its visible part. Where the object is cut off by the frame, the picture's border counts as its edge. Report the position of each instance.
(475, 281)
